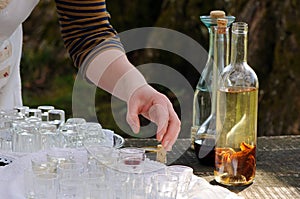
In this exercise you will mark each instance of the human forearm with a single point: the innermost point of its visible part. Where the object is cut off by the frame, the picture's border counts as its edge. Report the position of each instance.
(112, 72)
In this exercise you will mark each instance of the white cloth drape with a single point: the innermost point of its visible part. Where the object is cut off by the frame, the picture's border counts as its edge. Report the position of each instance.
(12, 180)
(11, 38)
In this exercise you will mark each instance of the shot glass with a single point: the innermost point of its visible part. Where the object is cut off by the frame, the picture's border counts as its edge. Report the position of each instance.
(58, 157)
(70, 170)
(93, 165)
(42, 165)
(137, 186)
(91, 132)
(104, 154)
(36, 121)
(71, 188)
(56, 117)
(49, 136)
(46, 185)
(79, 127)
(6, 145)
(28, 181)
(26, 139)
(70, 135)
(6, 136)
(131, 159)
(104, 191)
(93, 183)
(76, 121)
(32, 112)
(21, 109)
(45, 109)
(184, 174)
(164, 186)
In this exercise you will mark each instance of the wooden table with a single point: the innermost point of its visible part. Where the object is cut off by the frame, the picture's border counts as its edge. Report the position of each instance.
(278, 166)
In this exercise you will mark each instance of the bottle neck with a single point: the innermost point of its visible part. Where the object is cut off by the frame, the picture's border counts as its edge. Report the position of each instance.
(211, 42)
(221, 39)
(239, 45)
(210, 23)
(221, 49)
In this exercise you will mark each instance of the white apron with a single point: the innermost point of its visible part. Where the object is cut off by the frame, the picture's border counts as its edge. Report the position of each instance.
(12, 14)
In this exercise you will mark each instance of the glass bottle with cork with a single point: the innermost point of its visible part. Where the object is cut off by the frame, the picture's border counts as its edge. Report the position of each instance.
(203, 129)
(236, 121)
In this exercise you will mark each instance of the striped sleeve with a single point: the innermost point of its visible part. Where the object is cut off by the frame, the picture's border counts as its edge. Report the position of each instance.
(86, 30)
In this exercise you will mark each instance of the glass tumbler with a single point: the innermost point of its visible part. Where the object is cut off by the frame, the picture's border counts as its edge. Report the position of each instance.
(69, 135)
(32, 112)
(70, 170)
(71, 188)
(131, 159)
(56, 117)
(91, 132)
(45, 185)
(76, 121)
(21, 109)
(49, 136)
(26, 139)
(184, 174)
(45, 109)
(94, 183)
(164, 186)
(59, 156)
(6, 134)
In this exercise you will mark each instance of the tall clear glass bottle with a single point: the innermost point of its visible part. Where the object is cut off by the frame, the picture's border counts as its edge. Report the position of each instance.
(236, 121)
(205, 140)
(204, 98)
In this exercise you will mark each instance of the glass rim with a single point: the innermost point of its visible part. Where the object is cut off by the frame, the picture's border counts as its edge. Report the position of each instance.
(208, 21)
(240, 27)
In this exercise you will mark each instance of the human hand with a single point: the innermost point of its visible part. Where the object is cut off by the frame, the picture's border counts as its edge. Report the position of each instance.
(157, 108)
(119, 77)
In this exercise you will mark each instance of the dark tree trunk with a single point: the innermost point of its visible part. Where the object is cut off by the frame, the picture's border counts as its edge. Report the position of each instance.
(273, 52)
(274, 49)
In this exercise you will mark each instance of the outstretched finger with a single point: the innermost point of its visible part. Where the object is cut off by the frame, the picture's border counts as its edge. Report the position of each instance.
(160, 116)
(132, 118)
(172, 132)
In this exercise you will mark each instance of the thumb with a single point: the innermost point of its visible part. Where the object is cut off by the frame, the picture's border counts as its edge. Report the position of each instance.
(132, 118)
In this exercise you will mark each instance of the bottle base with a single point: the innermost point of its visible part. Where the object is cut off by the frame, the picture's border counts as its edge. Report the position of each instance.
(230, 180)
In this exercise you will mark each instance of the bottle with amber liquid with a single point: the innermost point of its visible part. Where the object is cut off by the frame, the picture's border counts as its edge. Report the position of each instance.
(236, 115)
(204, 106)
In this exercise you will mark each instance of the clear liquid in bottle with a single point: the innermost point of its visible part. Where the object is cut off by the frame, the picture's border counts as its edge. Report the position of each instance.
(235, 160)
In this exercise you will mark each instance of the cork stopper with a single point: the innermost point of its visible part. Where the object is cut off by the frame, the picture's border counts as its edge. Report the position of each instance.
(222, 24)
(161, 155)
(217, 14)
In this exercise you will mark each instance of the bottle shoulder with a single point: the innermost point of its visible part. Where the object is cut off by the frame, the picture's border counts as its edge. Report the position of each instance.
(238, 75)
(205, 79)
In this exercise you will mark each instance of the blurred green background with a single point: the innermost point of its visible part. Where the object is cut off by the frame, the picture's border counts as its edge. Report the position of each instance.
(273, 52)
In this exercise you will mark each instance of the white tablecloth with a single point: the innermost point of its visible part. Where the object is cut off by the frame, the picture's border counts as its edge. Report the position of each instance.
(12, 180)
